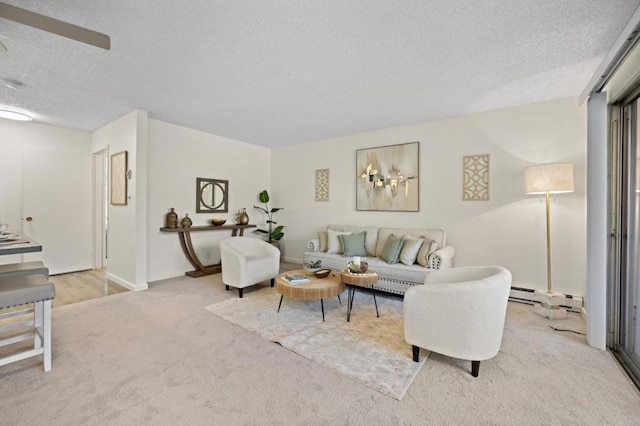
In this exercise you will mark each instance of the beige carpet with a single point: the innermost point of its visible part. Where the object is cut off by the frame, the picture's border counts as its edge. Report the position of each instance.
(157, 358)
(368, 349)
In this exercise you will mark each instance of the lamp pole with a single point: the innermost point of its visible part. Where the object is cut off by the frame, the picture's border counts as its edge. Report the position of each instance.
(548, 248)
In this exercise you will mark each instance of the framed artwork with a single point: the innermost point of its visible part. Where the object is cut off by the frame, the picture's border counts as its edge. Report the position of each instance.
(119, 179)
(322, 185)
(212, 195)
(475, 177)
(387, 178)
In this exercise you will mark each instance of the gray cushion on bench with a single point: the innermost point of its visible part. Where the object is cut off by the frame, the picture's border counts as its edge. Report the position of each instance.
(23, 268)
(16, 291)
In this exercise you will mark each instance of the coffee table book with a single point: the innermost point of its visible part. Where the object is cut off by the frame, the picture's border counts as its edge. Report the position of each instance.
(296, 279)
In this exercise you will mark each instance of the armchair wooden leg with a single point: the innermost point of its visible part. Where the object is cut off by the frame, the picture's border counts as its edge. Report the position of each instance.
(226, 287)
(416, 353)
(273, 280)
(240, 292)
(475, 368)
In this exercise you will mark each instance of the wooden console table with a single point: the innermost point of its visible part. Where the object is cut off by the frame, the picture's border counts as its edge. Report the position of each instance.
(187, 247)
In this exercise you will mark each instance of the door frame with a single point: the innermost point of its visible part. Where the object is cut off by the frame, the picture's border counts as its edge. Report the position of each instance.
(100, 174)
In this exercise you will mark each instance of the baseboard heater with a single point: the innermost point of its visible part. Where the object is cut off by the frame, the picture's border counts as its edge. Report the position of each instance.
(525, 295)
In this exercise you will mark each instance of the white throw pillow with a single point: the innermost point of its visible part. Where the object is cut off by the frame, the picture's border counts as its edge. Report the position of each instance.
(410, 249)
(428, 247)
(334, 245)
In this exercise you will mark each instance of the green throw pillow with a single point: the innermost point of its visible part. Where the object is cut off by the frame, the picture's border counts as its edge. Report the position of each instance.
(353, 244)
(391, 251)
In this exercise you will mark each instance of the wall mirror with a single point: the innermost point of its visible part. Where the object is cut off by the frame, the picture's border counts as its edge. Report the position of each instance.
(212, 195)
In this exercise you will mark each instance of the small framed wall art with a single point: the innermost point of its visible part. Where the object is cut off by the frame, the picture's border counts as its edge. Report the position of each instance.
(475, 177)
(119, 179)
(322, 185)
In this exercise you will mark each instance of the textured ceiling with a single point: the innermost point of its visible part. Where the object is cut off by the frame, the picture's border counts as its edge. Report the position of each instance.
(273, 73)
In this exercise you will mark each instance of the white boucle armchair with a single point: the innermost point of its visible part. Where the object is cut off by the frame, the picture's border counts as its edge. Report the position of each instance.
(458, 312)
(247, 261)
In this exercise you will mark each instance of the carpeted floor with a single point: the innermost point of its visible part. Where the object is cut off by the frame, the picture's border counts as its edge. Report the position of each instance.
(156, 357)
(368, 349)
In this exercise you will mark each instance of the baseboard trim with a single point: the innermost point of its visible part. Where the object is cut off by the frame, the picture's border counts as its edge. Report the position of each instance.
(525, 295)
(127, 284)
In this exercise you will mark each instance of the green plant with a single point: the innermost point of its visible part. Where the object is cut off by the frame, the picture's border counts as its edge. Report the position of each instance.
(273, 234)
(316, 264)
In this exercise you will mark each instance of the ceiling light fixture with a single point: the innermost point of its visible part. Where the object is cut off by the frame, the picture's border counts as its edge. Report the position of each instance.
(14, 115)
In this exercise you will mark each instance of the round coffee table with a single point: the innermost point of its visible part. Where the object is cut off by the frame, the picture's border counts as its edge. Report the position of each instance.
(367, 279)
(317, 289)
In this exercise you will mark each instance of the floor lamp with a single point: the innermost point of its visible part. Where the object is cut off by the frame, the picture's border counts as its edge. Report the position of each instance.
(555, 178)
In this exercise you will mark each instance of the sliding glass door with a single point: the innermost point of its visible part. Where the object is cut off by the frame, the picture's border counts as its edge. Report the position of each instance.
(625, 265)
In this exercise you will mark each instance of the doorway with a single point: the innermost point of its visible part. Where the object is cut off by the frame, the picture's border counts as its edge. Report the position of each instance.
(100, 208)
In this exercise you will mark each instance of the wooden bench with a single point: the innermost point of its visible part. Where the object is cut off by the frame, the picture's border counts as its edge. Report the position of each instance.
(21, 290)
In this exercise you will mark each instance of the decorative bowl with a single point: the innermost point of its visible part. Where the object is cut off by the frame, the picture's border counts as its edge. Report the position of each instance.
(322, 273)
(217, 222)
(355, 269)
(311, 271)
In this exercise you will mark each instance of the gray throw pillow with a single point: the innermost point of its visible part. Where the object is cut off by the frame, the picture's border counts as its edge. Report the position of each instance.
(353, 244)
(391, 251)
(410, 249)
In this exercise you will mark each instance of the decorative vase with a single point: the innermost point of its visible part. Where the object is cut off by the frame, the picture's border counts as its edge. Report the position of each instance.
(242, 218)
(186, 221)
(171, 220)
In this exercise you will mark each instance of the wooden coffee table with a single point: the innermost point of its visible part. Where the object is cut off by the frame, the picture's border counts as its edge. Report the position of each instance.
(317, 289)
(367, 279)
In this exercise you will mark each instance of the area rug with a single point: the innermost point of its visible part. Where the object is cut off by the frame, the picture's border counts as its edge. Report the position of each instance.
(367, 349)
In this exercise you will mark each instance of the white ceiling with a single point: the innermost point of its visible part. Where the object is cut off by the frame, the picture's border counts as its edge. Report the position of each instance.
(279, 72)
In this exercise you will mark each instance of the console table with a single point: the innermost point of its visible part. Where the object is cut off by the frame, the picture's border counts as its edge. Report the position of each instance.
(187, 247)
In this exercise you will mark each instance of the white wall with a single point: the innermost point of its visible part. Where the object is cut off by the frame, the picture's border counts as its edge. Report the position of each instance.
(508, 230)
(176, 157)
(14, 136)
(126, 247)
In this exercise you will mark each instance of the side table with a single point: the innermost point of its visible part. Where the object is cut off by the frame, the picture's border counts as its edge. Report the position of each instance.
(367, 279)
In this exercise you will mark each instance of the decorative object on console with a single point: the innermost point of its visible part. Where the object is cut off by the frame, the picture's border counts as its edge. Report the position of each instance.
(171, 219)
(554, 178)
(387, 178)
(475, 177)
(119, 179)
(212, 195)
(242, 218)
(272, 234)
(217, 221)
(322, 185)
(186, 221)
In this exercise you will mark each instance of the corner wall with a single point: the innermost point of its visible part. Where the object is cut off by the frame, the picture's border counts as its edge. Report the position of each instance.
(508, 230)
(176, 157)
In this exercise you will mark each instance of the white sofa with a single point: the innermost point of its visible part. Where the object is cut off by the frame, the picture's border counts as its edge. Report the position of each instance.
(395, 277)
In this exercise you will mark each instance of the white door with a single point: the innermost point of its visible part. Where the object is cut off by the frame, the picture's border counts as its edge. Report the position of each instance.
(56, 205)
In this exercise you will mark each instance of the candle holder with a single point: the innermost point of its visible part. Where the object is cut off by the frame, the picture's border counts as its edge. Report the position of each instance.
(357, 269)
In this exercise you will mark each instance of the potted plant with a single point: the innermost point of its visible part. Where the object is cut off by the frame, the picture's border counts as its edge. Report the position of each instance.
(273, 234)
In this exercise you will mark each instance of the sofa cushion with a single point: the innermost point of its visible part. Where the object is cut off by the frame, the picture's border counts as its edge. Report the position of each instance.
(410, 248)
(428, 247)
(353, 245)
(322, 238)
(392, 248)
(433, 234)
(370, 239)
(334, 245)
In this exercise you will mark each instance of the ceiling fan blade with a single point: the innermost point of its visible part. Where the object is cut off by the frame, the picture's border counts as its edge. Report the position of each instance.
(55, 26)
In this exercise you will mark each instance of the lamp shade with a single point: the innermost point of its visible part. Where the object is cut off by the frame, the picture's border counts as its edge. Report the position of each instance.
(553, 178)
